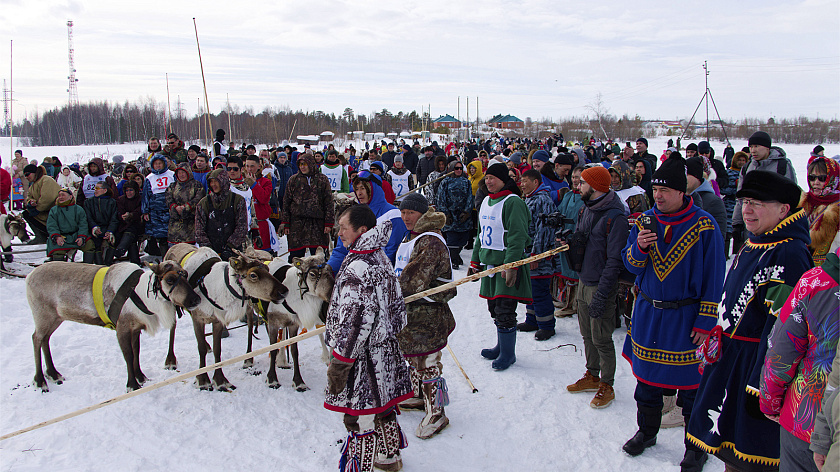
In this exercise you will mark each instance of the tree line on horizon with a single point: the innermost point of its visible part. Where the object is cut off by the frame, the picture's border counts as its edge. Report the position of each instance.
(107, 123)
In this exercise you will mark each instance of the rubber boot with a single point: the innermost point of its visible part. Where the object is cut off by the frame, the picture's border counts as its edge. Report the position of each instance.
(493, 352)
(648, 420)
(152, 247)
(507, 348)
(87, 257)
(97, 257)
(163, 246)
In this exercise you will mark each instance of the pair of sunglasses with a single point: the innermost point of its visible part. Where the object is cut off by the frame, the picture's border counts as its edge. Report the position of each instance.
(821, 178)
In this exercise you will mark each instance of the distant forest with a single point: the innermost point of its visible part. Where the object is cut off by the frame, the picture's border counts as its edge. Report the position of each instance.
(107, 123)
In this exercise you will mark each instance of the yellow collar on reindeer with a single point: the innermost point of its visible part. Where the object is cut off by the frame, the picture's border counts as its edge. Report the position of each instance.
(186, 258)
(99, 299)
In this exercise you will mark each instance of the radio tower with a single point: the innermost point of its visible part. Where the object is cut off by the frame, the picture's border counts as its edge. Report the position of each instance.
(72, 90)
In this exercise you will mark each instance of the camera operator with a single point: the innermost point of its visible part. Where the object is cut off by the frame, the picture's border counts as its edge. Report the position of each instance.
(604, 220)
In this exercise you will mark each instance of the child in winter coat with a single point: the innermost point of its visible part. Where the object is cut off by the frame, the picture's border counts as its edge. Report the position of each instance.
(155, 211)
(130, 225)
(101, 213)
(402, 179)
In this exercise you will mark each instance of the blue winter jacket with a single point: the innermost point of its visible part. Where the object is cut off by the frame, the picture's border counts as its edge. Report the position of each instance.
(155, 204)
(382, 209)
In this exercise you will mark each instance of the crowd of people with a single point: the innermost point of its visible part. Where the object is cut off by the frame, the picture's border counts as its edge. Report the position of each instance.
(739, 357)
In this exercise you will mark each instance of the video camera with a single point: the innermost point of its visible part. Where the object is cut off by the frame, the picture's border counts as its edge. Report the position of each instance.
(557, 221)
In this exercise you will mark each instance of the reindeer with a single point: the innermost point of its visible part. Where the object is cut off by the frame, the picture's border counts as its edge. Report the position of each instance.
(310, 283)
(225, 289)
(10, 226)
(133, 300)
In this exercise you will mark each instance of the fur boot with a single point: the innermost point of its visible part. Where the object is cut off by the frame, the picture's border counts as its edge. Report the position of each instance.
(415, 402)
(391, 441)
(359, 452)
(567, 296)
(435, 396)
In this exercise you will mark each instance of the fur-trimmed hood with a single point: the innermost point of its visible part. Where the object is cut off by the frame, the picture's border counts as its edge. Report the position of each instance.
(430, 221)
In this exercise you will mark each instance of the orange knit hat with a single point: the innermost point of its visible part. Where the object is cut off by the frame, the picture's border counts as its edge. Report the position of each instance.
(598, 177)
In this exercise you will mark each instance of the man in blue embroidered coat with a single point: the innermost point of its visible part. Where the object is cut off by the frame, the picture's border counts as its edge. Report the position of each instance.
(679, 269)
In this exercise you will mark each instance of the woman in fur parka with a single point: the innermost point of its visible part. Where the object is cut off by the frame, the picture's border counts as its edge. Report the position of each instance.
(822, 205)
(182, 197)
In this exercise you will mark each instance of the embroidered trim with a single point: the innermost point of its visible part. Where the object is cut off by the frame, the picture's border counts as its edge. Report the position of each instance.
(663, 265)
(740, 455)
(708, 309)
(660, 356)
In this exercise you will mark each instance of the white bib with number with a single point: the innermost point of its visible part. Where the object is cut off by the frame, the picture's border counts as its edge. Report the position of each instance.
(400, 183)
(405, 249)
(90, 182)
(160, 182)
(334, 175)
(492, 228)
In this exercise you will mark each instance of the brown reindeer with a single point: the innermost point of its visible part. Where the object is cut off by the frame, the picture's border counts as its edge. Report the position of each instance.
(134, 300)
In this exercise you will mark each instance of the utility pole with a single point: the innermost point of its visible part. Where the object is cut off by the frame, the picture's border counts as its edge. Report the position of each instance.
(707, 95)
(6, 112)
(706, 73)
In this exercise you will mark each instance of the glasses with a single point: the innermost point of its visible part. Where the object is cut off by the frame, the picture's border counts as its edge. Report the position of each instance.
(459, 168)
(821, 178)
(748, 202)
(233, 169)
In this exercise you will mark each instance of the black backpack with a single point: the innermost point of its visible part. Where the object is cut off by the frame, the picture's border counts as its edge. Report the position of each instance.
(577, 246)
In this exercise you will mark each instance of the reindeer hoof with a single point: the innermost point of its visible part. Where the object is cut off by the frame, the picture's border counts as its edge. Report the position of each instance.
(42, 384)
(226, 387)
(301, 388)
(273, 384)
(55, 377)
(171, 364)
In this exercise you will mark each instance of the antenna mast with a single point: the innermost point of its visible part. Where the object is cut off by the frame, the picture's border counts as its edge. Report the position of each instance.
(72, 90)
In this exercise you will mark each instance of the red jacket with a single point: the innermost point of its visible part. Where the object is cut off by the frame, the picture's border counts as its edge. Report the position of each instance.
(261, 194)
(390, 196)
(5, 189)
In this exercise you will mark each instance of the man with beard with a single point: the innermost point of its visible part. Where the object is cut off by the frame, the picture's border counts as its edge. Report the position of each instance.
(604, 220)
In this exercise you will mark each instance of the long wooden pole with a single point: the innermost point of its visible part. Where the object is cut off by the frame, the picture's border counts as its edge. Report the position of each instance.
(230, 126)
(204, 82)
(293, 129)
(168, 124)
(11, 114)
(170, 381)
(430, 183)
(278, 345)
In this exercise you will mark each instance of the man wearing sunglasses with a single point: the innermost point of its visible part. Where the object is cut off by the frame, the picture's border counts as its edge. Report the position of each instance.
(764, 156)
(175, 149)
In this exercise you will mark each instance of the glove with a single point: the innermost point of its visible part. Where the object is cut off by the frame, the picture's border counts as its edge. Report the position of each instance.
(471, 271)
(598, 305)
(464, 217)
(337, 374)
(510, 277)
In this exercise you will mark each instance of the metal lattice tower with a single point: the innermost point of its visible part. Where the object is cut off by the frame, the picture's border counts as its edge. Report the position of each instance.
(72, 90)
(6, 112)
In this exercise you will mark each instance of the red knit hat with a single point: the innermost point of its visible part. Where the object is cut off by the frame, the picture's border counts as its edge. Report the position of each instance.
(598, 177)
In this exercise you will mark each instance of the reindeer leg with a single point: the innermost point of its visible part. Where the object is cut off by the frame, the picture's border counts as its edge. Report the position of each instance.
(171, 363)
(219, 381)
(39, 380)
(249, 363)
(283, 363)
(135, 346)
(273, 331)
(124, 338)
(202, 379)
(325, 355)
(52, 373)
(297, 380)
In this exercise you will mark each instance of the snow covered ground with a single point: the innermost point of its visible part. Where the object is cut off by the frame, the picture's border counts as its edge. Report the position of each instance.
(519, 418)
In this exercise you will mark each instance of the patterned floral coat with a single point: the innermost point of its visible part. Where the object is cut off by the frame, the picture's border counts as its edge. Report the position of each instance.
(188, 194)
(366, 312)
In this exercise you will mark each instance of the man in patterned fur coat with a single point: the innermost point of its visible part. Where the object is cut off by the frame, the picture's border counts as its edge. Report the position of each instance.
(368, 375)
(423, 263)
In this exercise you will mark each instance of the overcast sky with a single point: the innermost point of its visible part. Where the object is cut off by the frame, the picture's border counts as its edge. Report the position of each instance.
(530, 58)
